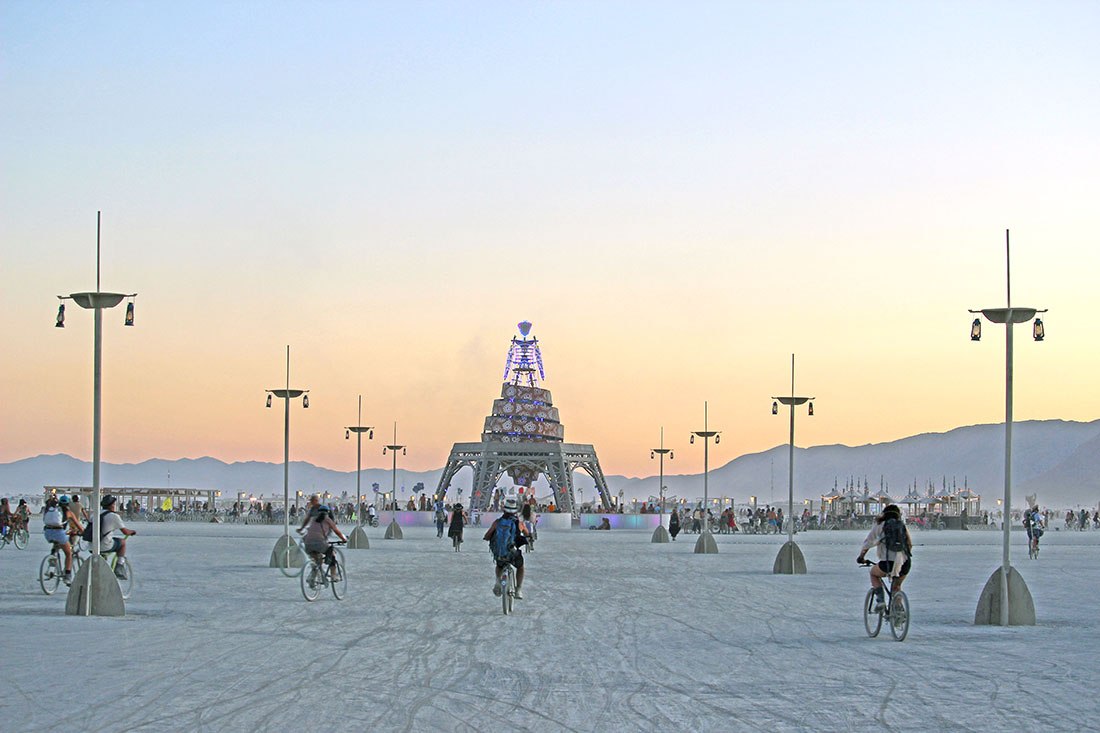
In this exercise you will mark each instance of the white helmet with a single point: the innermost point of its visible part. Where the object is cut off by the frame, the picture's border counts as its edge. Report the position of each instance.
(510, 504)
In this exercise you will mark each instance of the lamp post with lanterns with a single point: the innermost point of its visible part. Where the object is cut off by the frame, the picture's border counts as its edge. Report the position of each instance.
(1006, 599)
(393, 532)
(94, 591)
(790, 561)
(706, 545)
(286, 554)
(357, 540)
(660, 534)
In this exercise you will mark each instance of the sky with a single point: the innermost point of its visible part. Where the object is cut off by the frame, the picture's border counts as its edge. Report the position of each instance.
(678, 195)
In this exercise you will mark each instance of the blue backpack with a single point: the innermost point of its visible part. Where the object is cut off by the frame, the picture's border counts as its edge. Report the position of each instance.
(504, 538)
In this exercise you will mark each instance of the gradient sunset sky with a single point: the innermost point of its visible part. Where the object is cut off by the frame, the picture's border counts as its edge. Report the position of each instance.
(677, 195)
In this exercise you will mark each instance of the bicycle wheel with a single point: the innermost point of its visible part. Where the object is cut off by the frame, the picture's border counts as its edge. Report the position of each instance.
(78, 560)
(872, 621)
(509, 589)
(311, 583)
(339, 579)
(899, 616)
(49, 574)
(22, 537)
(288, 557)
(126, 585)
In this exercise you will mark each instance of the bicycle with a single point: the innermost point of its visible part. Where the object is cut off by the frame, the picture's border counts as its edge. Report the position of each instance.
(17, 535)
(125, 584)
(51, 572)
(895, 610)
(1033, 535)
(317, 576)
(508, 587)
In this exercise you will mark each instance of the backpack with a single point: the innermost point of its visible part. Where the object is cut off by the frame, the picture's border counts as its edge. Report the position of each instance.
(504, 538)
(86, 535)
(52, 518)
(893, 535)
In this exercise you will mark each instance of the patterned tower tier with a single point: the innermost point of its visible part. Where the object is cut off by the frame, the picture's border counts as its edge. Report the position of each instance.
(523, 415)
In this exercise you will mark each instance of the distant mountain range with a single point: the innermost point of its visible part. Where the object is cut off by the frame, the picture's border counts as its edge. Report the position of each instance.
(1055, 459)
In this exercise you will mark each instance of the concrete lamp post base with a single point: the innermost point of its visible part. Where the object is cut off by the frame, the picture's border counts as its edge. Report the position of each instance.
(706, 545)
(357, 540)
(296, 559)
(660, 535)
(789, 561)
(106, 596)
(1021, 607)
(393, 531)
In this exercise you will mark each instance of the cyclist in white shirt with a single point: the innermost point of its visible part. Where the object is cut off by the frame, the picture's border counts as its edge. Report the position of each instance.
(109, 523)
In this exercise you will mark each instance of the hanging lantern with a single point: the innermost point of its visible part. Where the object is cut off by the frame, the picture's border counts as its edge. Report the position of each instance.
(269, 400)
(383, 453)
(811, 409)
(775, 408)
(1037, 330)
(347, 435)
(692, 439)
(305, 400)
(717, 439)
(370, 435)
(60, 316)
(130, 313)
(670, 456)
(402, 451)
(976, 330)
(651, 455)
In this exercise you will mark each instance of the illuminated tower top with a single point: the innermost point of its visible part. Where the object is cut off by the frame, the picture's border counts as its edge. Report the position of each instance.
(524, 358)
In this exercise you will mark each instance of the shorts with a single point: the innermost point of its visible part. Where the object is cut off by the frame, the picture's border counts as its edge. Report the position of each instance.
(115, 546)
(516, 559)
(887, 566)
(56, 535)
(320, 546)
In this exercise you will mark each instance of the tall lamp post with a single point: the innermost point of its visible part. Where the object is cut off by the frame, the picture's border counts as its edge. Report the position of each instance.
(706, 545)
(790, 561)
(393, 532)
(285, 554)
(1006, 600)
(660, 534)
(93, 590)
(358, 538)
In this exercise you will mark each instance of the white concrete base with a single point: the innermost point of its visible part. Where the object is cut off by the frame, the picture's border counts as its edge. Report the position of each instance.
(106, 596)
(789, 561)
(706, 545)
(393, 531)
(1021, 607)
(660, 535)
(357, 540)
(297, 559)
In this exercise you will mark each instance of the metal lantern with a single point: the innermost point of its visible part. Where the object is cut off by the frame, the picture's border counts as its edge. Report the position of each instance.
(305, 400)
(1037, 329)
(717, 439)
(811, 409)
(402, 451)
(692, 439)
(670, 455)
(347, 435)
(60, 316)
(775, 408)
(269, 400)
(370, 435)
(651, 455)
(130, 313)
(383, 453)
(976, 330)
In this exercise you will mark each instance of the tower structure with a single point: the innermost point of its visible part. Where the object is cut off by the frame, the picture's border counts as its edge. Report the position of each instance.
(523, 437)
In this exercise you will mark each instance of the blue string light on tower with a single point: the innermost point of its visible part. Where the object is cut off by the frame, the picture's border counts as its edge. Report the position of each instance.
(524, 357)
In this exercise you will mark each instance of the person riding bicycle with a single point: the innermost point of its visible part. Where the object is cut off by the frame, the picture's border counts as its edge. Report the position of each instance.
(895, 551)
(440, 519)
(319, 526)
(5, 516)
(529, 518)
(458, 522)
(505, 537)
(53, 529)
(1033, 523)
(109, 522)
(73, 527)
